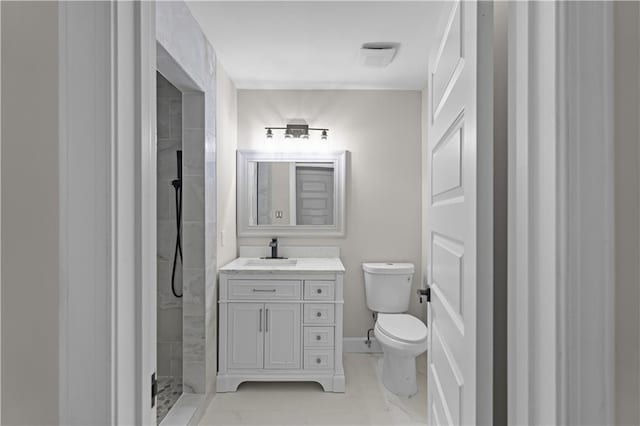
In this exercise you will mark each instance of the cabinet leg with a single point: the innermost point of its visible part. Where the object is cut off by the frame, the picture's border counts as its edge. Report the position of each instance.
(339, 384)
(227, 384)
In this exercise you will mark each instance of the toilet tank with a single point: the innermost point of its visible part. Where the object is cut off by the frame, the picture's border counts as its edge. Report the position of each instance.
(388, 286)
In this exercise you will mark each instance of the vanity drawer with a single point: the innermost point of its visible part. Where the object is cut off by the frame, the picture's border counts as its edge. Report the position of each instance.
(318, 313)
(318, 359)
(264, 289)
(319, 290)
(318, 337)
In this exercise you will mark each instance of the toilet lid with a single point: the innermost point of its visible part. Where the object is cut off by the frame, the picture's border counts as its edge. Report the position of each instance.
(403, 327)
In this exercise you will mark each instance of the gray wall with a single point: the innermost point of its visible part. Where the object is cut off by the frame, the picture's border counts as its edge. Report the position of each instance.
(30, 230)
(169, 121)
(627, 214)
(500, 194)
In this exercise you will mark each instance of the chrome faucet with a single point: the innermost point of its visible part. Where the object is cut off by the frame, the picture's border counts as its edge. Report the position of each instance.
(274, 248)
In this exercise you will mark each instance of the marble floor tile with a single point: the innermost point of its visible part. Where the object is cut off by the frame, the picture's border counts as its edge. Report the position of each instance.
(365, 402)
(169, 390)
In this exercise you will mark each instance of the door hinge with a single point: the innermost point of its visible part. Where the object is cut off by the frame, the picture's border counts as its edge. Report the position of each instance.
(154, 389)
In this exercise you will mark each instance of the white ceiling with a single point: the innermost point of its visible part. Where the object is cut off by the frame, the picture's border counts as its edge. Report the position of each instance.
(315, 44)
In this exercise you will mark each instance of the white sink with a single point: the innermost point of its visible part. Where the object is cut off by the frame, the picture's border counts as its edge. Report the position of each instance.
(271, 262)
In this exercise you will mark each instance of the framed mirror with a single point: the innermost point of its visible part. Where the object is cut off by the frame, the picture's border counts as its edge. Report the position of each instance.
(291, 194)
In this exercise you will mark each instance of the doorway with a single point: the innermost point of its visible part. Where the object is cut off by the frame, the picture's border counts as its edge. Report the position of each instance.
(169, 245)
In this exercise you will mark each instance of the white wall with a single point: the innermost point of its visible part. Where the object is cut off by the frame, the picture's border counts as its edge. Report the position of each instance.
(280, 191)
(627, 214)
(382, 131)
(227, 137)
(30, 213)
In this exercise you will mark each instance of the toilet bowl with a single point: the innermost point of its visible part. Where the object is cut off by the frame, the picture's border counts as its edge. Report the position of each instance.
(402, 338)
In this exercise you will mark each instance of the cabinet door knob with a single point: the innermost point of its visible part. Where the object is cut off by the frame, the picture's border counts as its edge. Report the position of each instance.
(319, 314)
(318, 360)
(319, 291)
(318, 337)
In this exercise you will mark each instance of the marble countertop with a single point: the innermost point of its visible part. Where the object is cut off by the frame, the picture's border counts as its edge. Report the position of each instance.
(303, 264)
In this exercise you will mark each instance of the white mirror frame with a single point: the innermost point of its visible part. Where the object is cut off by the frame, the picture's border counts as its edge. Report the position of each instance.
(245, 229)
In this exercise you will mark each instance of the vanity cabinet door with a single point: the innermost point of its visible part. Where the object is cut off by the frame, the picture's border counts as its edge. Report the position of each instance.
(245, 335)
(282, 336)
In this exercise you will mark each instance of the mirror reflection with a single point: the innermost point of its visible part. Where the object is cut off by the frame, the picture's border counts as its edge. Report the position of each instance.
(292, 193)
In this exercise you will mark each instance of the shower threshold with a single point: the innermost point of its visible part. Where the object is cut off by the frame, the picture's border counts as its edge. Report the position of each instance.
(169, 390)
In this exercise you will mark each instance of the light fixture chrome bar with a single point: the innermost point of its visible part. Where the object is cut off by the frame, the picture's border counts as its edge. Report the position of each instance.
(297, 131)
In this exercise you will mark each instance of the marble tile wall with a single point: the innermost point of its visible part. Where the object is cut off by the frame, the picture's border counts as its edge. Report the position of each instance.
(184, 47)
(170, 308)
(194, 237)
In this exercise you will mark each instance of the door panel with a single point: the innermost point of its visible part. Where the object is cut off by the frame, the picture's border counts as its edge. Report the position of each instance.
(314, 196)
(452, 226)
(449, 379)
(246, 339)
(447, 258)
(450, 60)
(282, 336)
(447, 164)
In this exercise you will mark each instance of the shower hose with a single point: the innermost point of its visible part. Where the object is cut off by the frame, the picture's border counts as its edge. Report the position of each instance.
(177, 185)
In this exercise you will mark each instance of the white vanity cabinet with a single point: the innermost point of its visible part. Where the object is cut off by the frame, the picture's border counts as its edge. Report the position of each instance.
(281, 324)
(264, 335)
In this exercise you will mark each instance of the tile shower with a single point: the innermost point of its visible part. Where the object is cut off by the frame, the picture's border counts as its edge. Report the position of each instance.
(169, 279)
(192, 71)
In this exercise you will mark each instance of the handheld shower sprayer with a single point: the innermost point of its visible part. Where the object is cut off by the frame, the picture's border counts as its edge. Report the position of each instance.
(177, 186)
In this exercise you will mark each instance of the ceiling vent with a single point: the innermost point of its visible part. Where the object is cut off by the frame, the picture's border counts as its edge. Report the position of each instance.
(378, 55)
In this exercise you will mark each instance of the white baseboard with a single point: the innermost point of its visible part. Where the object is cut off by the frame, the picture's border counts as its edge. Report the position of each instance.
(358, 345)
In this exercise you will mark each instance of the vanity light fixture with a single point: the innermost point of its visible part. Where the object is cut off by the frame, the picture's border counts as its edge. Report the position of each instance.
(297, 131)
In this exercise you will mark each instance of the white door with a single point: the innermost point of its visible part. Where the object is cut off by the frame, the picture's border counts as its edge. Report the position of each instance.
(282, 336)
(455, 381)
(246, 335)
(314, 196)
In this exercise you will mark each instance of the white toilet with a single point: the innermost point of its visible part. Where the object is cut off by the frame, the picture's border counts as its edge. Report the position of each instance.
(403, 337)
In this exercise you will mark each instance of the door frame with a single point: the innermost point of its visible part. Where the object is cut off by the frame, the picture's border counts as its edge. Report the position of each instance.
(561, 213)
(105, 368)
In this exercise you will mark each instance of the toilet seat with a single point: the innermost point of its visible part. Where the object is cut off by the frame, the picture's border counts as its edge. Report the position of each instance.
(402, 327)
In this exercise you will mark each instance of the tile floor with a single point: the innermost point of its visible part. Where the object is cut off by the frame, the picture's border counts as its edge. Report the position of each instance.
(169, 390)
(366, 401)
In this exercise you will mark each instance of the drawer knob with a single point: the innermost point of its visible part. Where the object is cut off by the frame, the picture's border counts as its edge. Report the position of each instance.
(318, 337)
(319, 291)
(319, 314)
(318, 360)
